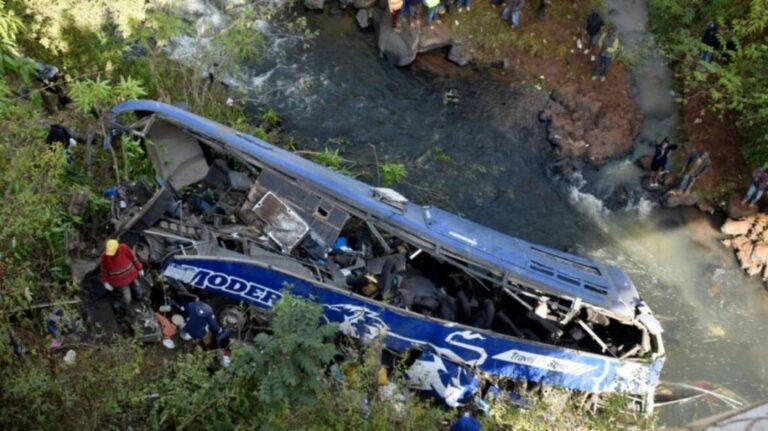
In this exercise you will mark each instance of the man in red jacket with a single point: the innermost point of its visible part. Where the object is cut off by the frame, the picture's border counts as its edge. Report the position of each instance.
(120, 270)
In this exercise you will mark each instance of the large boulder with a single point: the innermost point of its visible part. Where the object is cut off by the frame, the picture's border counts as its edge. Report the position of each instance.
(672, 200)
(399, 48)
(314, 4)
(434, 38)
(460, 53)
(736, 227)
(363, 18)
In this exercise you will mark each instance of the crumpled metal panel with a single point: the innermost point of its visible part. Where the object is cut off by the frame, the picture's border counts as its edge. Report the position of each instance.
(283, 225)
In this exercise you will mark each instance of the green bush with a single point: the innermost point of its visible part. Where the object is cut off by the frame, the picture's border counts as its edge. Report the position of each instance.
(736, 81)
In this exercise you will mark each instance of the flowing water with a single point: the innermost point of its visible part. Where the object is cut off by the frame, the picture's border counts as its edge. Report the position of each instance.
(483, 157)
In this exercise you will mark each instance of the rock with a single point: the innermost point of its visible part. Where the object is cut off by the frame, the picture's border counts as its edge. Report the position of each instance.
(79, 268)
(460, 54)
(736, 210)
(736, 227)
(399, 49)
(760, 253)
(363, 4)
(644, 162)
(754, 269)
(314, 4)
(363, 17)
(618, 199)
(672, 200)
(435, 38)
(744, 253)
(565, 97)
(727, 243)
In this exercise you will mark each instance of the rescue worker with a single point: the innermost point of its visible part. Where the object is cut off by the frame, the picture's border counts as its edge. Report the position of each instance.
(120, 270)
(200, 322)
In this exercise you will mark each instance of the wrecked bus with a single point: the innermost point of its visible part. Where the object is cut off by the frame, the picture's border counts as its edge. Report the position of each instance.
(238, 218)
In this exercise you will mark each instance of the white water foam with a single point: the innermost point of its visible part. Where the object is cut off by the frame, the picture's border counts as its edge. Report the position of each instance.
(589, 205)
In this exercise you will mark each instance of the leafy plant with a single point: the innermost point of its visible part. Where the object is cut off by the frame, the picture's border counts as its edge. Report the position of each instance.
(269, 118)
(393, 173)
(330, 159)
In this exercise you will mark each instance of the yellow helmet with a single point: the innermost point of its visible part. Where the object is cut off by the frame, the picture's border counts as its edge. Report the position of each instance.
(112, 245)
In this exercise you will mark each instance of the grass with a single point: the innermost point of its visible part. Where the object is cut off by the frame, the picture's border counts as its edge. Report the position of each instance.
(494, 39)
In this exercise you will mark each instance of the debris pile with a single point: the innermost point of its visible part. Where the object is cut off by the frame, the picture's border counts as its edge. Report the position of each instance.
(749, 238)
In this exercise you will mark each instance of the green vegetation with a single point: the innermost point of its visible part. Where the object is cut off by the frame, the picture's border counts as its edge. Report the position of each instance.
(494, 40)
(736, 80)
(393, 173)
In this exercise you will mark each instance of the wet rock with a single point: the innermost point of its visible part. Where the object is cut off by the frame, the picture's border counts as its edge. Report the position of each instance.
(434, 38)
(314, 4)
(644, 162)
(400, 48)
(363, 18)
(363, 4)
(672, 200)
(736, 227)
(564, 167)
(460, 54)
(618, 199)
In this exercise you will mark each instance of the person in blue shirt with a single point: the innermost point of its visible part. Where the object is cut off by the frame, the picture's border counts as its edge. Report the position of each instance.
(200, 319)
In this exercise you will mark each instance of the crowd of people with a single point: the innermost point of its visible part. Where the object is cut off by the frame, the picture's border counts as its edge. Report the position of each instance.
(603, 39)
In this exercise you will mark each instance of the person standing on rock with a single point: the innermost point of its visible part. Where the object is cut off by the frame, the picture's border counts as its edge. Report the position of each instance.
(608, 45)
(697, 164)
(394, 8)
(711, 39)
(511, 12)
(595, 23)
(757, 188)
(412, 9)
(432, 6)
(659, 162)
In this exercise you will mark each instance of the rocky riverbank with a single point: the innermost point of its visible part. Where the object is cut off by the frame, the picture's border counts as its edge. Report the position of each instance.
(748, 237)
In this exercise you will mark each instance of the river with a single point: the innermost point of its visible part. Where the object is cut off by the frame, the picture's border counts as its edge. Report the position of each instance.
(483, 156)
